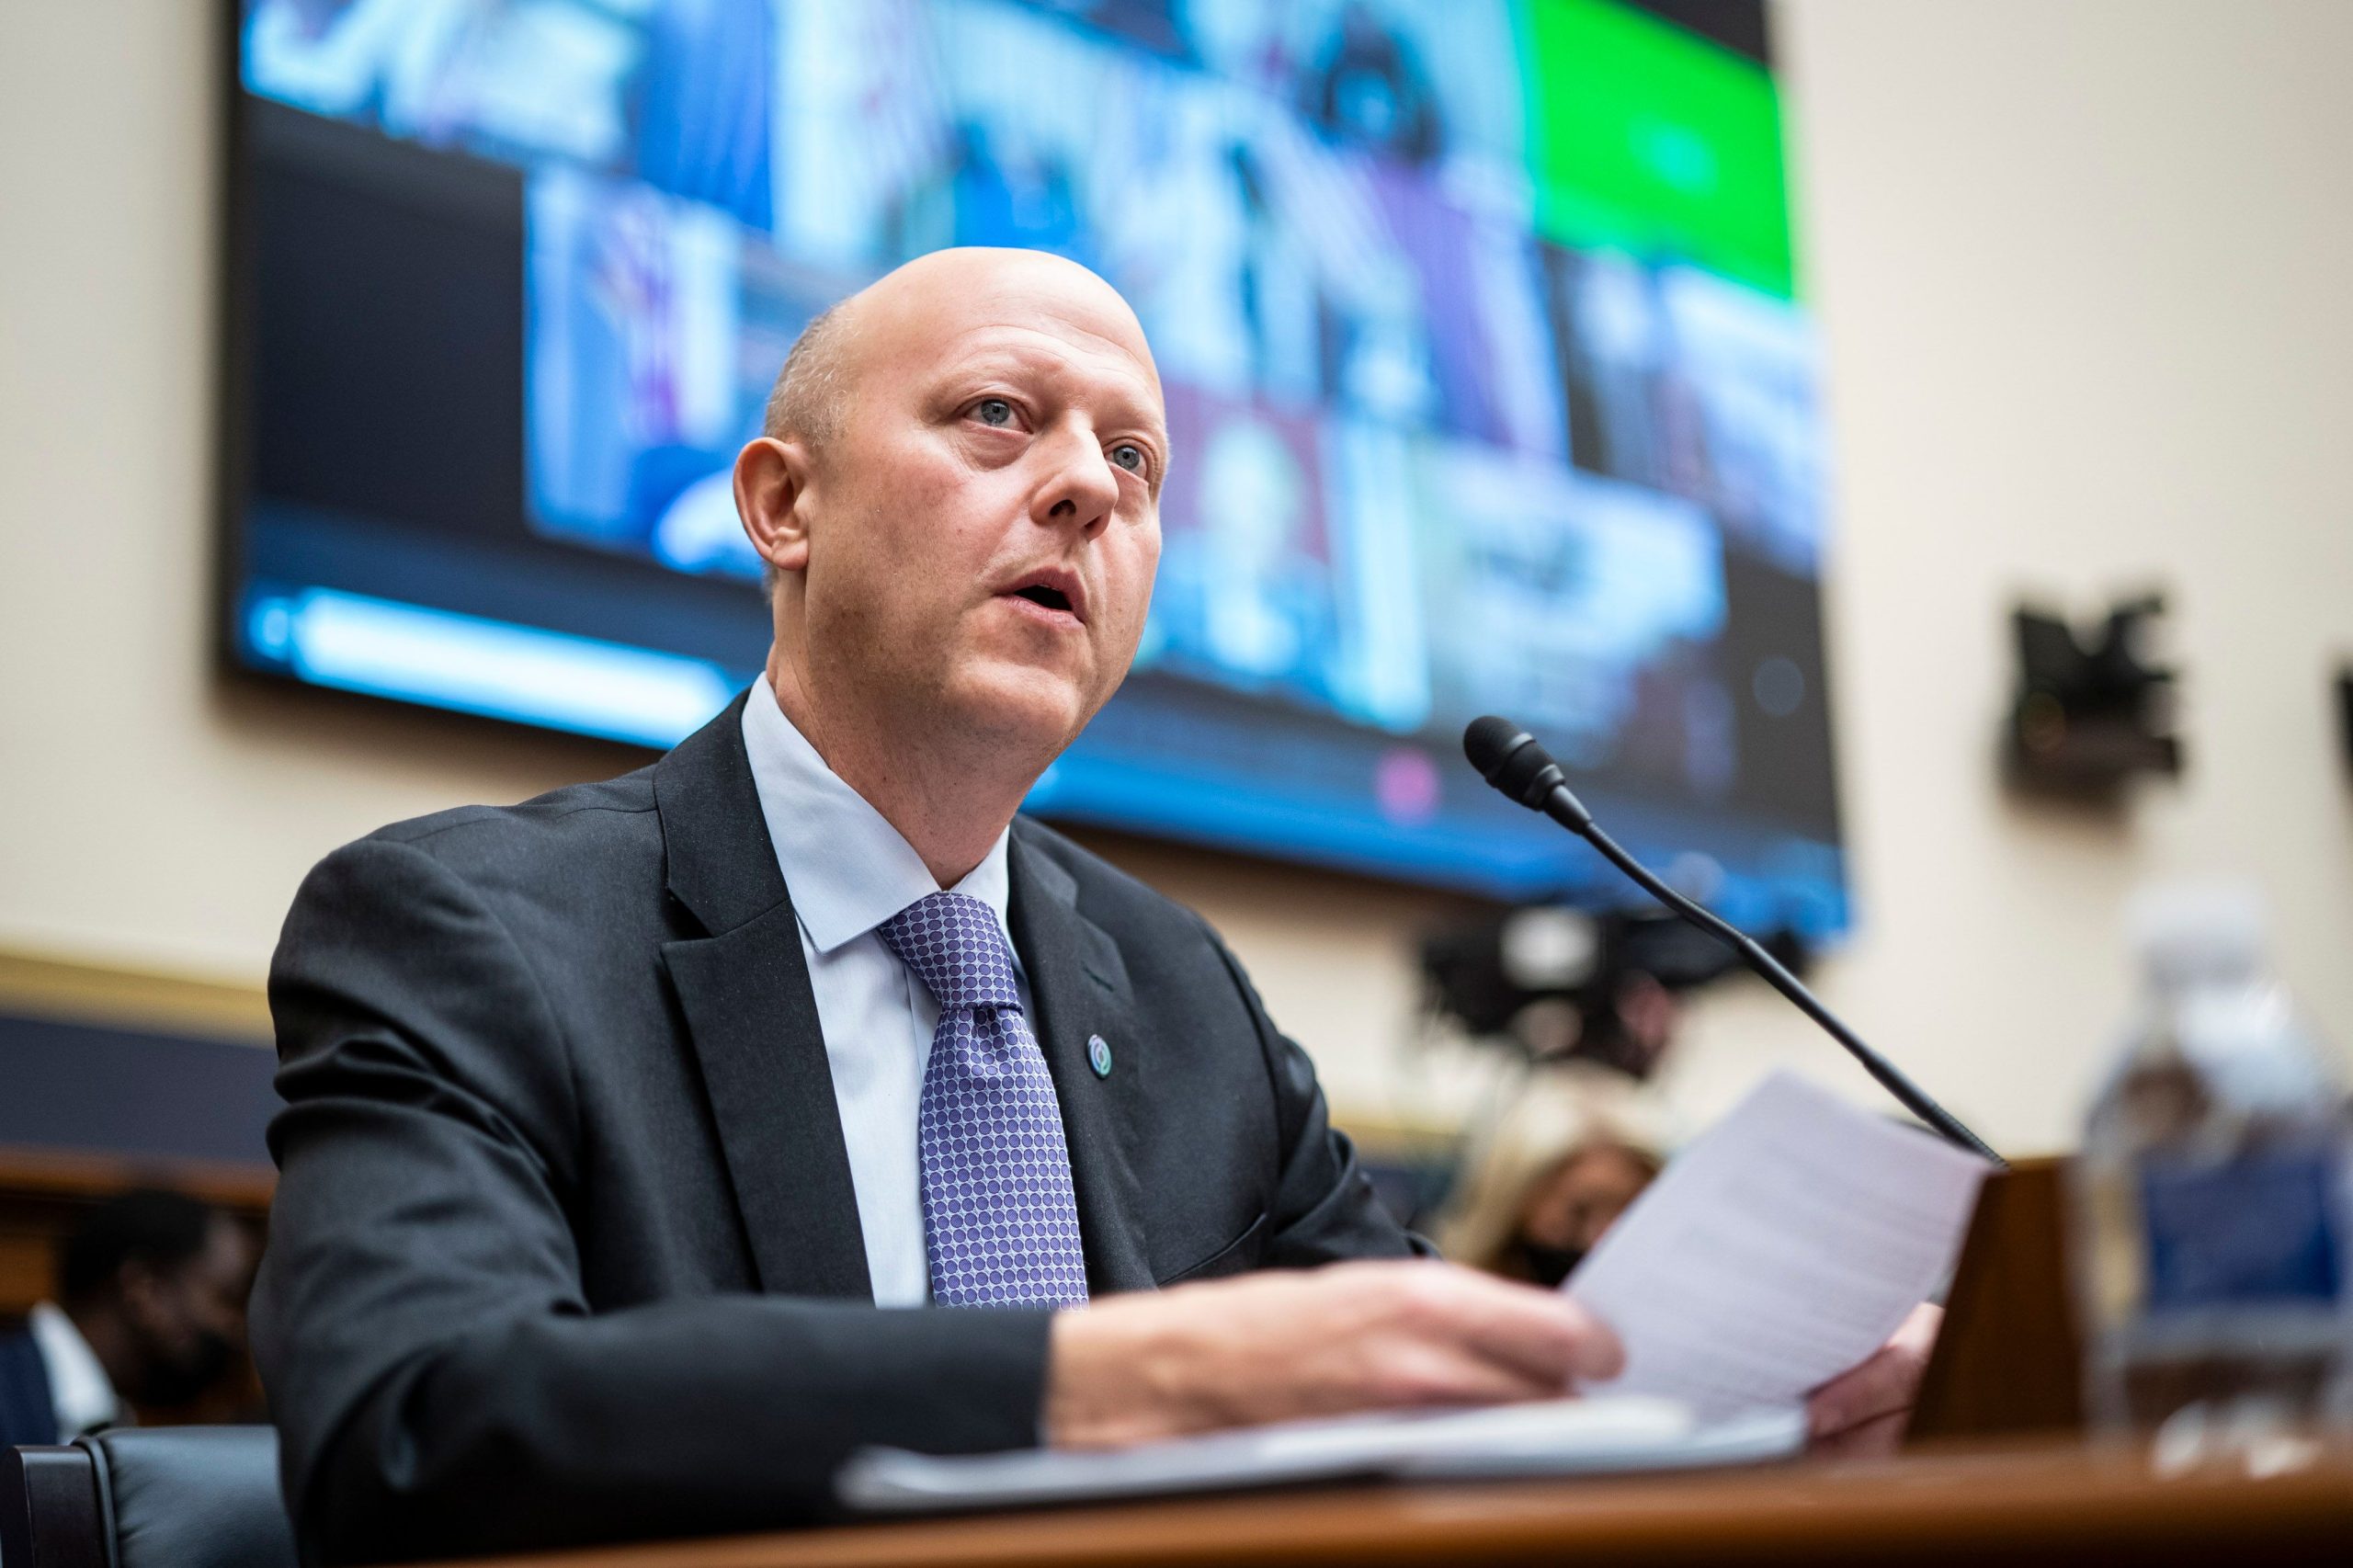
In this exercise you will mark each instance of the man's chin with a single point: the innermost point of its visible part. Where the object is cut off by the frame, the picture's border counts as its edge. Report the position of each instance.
(1024, 706)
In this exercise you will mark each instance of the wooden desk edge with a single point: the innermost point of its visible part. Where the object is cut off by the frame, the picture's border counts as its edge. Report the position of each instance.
(2064, 1501)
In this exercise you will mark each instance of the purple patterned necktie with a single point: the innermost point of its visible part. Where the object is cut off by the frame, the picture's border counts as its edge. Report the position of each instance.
(1000, 1223)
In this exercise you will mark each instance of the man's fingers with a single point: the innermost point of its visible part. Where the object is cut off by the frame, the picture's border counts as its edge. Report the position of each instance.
(1455, 1375)
(1917, 1333)
(1542, 1336)
(1591, 1350)
(1875, 1438)
(1599, 1355)
(1884, 1385)
(1871, 1391)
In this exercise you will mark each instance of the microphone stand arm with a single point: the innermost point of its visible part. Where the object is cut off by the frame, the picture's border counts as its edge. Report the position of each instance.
(1564, 808)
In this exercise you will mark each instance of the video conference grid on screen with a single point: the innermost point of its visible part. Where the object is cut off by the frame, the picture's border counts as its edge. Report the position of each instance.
(1476, 320)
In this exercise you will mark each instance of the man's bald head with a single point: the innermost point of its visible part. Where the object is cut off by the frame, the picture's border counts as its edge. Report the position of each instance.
(816, 390)
(806, 403)
(958, 498)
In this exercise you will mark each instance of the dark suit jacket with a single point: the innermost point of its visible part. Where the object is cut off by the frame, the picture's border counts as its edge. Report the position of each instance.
(564, 1246)
(28, 1405)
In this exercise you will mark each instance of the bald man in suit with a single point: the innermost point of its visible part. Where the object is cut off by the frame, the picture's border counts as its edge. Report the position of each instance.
(654, 1145)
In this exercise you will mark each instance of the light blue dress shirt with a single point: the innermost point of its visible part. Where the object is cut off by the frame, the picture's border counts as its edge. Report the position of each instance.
(848, 871)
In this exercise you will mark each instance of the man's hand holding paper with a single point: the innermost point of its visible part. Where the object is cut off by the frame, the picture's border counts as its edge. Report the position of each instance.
(1783, 1259)
(1865, 1409)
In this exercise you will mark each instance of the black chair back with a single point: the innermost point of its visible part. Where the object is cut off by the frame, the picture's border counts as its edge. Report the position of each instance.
(147, 1497)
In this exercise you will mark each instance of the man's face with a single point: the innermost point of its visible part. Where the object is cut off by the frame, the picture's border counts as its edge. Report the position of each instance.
(983, 532)
(189, 1319)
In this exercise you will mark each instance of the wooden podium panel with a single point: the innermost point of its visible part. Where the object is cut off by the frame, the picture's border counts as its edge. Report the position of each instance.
(2010, 1360)
(2043, 1503)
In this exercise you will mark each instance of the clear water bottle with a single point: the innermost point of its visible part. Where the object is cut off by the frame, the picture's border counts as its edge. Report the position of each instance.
(2213, 1194)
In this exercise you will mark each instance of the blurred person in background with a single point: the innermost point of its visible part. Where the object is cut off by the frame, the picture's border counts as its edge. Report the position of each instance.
(151, 1314)
(1575, 1149)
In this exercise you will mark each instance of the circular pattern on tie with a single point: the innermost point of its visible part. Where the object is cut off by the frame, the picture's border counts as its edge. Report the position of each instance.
(1000, 1217)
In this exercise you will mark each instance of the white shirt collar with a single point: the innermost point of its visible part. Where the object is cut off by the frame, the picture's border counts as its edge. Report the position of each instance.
(849, 869)
(79, 1389)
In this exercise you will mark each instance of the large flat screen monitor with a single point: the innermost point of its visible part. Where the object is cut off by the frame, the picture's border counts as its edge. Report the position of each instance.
(1487, 379)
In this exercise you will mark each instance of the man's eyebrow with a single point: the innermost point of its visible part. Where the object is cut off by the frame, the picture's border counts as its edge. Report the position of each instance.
(1135, 404)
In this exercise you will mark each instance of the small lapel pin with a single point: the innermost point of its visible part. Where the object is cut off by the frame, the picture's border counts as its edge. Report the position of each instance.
(1098, 1055)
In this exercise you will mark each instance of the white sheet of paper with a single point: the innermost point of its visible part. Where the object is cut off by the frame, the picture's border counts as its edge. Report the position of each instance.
(1781, 1248)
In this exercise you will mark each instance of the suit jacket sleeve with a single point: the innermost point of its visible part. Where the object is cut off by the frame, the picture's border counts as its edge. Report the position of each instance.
(1324, 1209)
(440, 1380)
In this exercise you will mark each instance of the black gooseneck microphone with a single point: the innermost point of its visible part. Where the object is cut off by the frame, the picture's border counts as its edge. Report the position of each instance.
(1508, 757)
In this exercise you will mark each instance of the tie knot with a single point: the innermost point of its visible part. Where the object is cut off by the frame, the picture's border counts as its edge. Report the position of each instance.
(955, 946)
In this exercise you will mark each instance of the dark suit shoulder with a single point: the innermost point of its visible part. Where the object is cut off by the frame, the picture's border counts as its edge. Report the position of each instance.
(550, 840)
(1110, 897)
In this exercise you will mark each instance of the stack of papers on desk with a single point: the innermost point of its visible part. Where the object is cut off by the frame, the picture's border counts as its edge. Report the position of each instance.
(1568, 1437)
(1778, 1251)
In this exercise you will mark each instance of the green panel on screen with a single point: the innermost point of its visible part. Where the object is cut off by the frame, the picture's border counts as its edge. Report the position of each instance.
(1642, 136)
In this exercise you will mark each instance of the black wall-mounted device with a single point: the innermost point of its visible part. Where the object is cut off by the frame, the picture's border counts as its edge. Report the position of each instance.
(2089, 712)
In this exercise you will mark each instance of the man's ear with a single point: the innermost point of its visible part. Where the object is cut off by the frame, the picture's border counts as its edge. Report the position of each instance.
(771, 491)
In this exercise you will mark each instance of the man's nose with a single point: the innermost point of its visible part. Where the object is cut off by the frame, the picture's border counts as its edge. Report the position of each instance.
(1080, 488)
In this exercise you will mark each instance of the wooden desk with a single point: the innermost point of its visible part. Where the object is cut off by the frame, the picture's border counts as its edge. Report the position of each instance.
(2011, 1504)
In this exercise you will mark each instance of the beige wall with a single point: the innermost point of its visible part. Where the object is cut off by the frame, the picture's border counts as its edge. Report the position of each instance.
(2080, 270)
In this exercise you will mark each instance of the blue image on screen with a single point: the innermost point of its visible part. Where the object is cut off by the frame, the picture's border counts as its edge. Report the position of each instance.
(1428, 463)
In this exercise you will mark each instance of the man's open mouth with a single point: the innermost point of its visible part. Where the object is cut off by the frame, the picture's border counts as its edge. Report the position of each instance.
(1051, 587)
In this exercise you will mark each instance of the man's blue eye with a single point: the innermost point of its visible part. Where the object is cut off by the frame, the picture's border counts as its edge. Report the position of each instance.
(993, 411)
(1128, 455)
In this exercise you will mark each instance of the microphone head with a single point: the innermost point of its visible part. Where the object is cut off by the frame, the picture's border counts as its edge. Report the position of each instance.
(1488, 741)
(1508, 757)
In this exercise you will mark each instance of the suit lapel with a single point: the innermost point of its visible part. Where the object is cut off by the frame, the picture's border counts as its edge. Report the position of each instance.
(1079, 988)
(743, 989)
